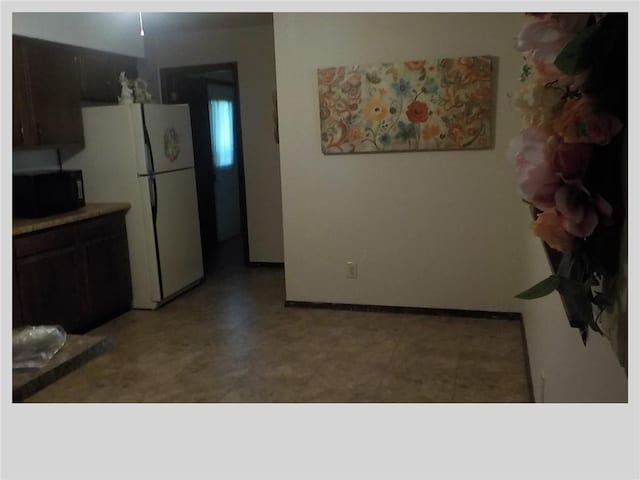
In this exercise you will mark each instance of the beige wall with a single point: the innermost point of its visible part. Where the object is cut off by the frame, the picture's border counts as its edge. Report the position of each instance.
(427, 229)
(252, 48)
(432, 229)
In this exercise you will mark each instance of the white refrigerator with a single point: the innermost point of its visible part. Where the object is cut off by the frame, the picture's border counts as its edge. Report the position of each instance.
(143, 155)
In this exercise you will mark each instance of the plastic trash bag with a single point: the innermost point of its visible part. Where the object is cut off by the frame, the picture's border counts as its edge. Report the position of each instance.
(34, 346)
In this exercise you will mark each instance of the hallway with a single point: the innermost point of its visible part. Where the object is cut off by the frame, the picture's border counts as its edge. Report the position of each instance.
(232, 340)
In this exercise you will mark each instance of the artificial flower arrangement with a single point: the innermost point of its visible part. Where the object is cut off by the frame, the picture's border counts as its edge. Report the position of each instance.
(570, 157)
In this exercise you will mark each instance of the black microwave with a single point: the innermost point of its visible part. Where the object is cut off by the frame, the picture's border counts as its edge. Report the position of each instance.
(42, 193)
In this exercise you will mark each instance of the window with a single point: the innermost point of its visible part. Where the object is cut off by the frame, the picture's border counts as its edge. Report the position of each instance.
(221, 121)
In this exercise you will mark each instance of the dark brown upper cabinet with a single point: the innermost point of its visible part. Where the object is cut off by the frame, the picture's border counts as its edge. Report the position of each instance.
(46, 95)
(99, 75)
(21, 114)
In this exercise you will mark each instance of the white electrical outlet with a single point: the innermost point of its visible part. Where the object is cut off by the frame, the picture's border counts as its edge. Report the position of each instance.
(352, 270)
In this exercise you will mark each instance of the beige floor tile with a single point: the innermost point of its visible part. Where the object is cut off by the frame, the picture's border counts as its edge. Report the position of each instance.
(427, 389)
(256, 389)
(340, 380)
(232, 340)
(477, 383)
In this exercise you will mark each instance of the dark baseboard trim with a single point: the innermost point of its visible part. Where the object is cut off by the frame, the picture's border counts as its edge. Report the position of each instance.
(267, 264)
(527, 363)
(449, 312)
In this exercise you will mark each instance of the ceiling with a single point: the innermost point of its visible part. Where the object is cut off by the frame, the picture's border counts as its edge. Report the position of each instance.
(161, 22)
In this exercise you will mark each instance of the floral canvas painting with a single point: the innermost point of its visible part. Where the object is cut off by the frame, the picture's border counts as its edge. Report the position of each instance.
(442, 104)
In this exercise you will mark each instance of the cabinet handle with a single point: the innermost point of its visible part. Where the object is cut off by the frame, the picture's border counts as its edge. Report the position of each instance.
(21, 134)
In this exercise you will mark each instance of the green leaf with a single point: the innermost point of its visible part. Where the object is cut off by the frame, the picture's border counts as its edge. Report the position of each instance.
(566, 265)
(578, 299)
(540, 289)
(594, 323)
(568, 286)
(577, 54)
(584, 334)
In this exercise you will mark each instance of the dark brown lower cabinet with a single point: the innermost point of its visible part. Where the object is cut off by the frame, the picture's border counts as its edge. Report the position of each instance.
(107, 274)
(50, 288)
(75, 275)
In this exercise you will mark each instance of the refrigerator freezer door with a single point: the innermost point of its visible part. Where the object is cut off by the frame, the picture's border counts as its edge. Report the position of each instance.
(169, 128)
(178, 230)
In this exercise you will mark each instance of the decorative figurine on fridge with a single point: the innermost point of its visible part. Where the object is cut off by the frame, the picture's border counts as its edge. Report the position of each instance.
(126, 93)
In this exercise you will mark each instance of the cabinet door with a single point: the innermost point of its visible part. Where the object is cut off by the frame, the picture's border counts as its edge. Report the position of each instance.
(53, 91)
(74, 275)
(50, 288)
(23, 124)
(99, 75)
(106, 258)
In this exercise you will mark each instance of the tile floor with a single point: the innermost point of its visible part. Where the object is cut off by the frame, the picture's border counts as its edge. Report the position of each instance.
(232, 340)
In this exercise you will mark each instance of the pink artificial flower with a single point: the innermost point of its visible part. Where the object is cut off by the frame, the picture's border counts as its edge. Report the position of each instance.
(602, 128)
(570, 160)
(544, 37)
(578, 123)
(548, 226)
(580, 211)
(536, 178)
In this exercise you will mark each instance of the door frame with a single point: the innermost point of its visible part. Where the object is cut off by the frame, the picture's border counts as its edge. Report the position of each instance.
(168, 73)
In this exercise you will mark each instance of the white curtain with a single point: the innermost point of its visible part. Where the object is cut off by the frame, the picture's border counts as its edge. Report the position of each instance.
(221, 121)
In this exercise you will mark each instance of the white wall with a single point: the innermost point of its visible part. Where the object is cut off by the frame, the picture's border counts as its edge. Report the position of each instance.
(29, 160)
(252, 48)
(428, 229)
(107, 31)
(572, 372)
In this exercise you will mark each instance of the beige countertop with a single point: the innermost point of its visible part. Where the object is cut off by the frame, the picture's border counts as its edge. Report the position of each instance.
(90, 210)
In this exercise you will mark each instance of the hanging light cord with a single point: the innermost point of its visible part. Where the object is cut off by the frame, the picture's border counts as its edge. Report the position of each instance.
(141, 27)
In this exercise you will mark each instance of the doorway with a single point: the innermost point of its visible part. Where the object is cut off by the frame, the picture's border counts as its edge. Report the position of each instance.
(213, 97)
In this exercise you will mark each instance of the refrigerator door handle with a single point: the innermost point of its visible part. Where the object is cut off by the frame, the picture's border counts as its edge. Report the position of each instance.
(148, 157)
(154, 198)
